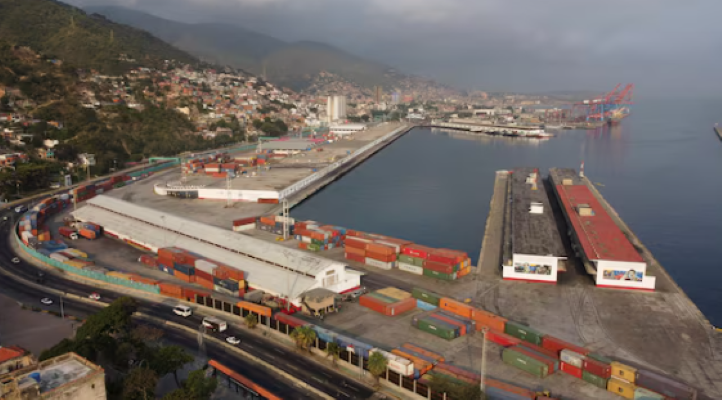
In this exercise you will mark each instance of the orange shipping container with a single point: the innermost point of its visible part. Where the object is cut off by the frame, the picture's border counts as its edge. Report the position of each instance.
(422, 365)
(229, 272)
(303, 246)
(184, 277)
(380, 257)
(268, 221)
(170, 290)
(456, 307)
(356, 251)
(140, 279)
(424, 352)
(208, 284)
(253, 307)
(380, 249)
(489, 320)
(356, 242)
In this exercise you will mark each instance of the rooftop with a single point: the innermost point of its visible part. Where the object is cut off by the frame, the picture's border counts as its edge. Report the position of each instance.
(51, 374)
(8, 353)
(293, 144)
(558, 175)
(600, 237)
(534, 234)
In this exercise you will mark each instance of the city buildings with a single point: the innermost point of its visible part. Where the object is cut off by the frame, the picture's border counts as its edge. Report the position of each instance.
(13, 358)
(336, 108)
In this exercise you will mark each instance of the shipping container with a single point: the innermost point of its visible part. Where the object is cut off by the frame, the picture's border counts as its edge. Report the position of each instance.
(380, 249)
(623, 371)
(552, 364)
(438, 267)
(439, 275)
(570, 369)
(381, 297)
(456, 307)
(646, 394)
(255, 308)
(542, 351)
(488, 320)
(88, 234)
(443, 332)
(385, 258)
(355, 251)
(352, 345)
(395, 363)
(572, 358)
(289, 320)
(468, 323)
(415, 250)
(205, 283)
(665, 386)
(503, 391)
(621, 387)
(462, 327)
(419, 262)
(523, 332)
(394, 293)
(525, 363)
(379, 264)
(205, 266)
(557, 345)
(426, 296)
(423, 351)
(445, 256)
(597, 368)
(595, 380)
(400, 307)
(410, 268)
(420, 364)
(355, 257)
(501, 339)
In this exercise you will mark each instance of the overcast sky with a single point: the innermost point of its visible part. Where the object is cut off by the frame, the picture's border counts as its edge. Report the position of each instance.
(671, 47)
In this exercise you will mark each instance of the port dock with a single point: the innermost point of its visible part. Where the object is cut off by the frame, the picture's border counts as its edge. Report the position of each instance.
(661, 331)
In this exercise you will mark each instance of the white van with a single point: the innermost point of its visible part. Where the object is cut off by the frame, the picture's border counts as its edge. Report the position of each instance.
(215, 324)
(183, 311)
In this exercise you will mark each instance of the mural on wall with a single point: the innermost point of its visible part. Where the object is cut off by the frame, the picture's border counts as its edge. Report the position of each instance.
(530, 268)
(630, 275)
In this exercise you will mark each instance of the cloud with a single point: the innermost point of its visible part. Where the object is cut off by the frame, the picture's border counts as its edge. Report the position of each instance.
(662, 45)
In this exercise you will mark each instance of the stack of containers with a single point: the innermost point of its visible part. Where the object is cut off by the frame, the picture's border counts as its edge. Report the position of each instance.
(261, 159)
(246, 161)
(355, 248)
(313, 237)
(389, 301)
(655, 386)
(274, 224)
(171, 290)
(396, 363)
(518, 357)
(412, 258)
(622, 381)
(434, 326)
(596, 370)
(204, 272)
(244, 224)
(423, 359)
(523, 332)
(571, 356)
(491, 321)
(425, 300)
(148, 260)
(380, 256)
(89, 230)
(219, 276)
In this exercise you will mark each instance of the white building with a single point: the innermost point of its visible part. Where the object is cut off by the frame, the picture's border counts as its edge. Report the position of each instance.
(336, 108)
(537, 252)
(273, 268)
(346, 129)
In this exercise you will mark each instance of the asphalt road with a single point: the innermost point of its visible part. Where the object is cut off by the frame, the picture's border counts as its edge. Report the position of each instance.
(327, 380)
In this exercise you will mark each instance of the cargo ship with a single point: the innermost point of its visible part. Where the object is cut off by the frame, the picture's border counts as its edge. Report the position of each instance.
(618, 115)
(718, 131)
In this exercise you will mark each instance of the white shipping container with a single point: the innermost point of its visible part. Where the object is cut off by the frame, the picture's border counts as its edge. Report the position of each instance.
(206, 266)
(572, 358)
(59, 257)
(411, 268)
(212, 170)
(280, 218)
(26, 236)
(379, 264)
(306, 239)
(247, 227)
(395, 363)
(64, 196)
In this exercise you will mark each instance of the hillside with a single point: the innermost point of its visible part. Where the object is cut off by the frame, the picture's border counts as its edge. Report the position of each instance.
(288, 64)
(68, 33)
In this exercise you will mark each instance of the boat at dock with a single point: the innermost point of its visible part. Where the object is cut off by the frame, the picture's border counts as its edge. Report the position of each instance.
(534, 132)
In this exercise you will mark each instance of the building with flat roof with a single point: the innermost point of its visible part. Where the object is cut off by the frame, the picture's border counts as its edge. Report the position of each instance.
(13, 358)
(605, 250)
(271, 267)
(68, 376)
(346, 129)
(537, 252)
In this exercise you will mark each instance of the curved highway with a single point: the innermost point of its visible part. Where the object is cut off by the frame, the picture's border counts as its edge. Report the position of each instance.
(324, 379)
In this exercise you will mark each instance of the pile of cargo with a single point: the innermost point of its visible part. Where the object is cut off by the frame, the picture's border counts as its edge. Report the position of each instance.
(424, 360)
(316, 237)
(443, 324)
(31, 223)
(148, 261)
(274, 224)
(376, 252)
(451, 373)
(72, 257)
(244, 224)
(388, 301)
(89, 230)
(442, 264)
(193, 268)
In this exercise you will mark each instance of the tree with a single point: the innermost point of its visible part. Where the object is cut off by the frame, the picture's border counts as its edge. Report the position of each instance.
(333, 351)
(304, 336)
(377, 365)
(140, 384)
(170, 359)
(456, 389)
(146, 333)
(251, 320)
(196, 387)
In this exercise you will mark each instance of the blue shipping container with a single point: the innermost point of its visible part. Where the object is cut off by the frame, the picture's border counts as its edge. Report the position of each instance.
(425, 306)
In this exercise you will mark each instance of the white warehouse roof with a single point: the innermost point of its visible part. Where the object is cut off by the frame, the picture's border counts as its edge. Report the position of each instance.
(259, 274)
(288, 145)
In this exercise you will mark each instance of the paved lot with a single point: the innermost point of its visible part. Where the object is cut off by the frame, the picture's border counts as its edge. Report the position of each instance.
(32, 330)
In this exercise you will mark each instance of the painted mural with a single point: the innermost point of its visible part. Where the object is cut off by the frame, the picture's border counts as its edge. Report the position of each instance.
(630, 275)
(530, 268)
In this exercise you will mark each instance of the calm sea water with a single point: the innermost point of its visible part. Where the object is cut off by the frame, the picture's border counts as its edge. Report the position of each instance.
(661, 170)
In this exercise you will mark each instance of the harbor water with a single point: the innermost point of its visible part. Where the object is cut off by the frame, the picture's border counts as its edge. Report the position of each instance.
(661, 169)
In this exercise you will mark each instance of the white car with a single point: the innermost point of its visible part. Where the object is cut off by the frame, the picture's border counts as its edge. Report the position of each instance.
(183, 311)
(94, 296)
(20, 209)
(46, 301)
(233, 340)
(15, 260)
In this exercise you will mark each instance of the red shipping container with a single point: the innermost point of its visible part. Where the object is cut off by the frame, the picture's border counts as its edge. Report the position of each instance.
(356, 242)
(225, 272)
(184, 277)
(354, 250)
(268, 221)
(527, 394)
(373, 304)
(356, 257)
(86, 233)
(557, 345)
(597, 368)
(439, 267)
(570, 369)
(268, 201)
(292, 322)
(501, 338)
(549, 362)
(457, 371)
(445, 257)
(205, 283)
(244, 221)
(401, 307)
(381, 257)
(170, 290)
(203, 275)
(442, 317)
(416, 250)
(355, 233)
(541, 350)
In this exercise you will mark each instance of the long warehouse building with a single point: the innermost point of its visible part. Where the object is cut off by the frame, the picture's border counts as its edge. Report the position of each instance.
(270, 267)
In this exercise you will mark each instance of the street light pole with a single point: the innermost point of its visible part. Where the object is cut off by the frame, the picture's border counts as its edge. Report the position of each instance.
(483, 359)
(62, 311)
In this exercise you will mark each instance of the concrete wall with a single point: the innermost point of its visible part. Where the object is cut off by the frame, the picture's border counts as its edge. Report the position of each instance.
(91, 389)
(530, 261)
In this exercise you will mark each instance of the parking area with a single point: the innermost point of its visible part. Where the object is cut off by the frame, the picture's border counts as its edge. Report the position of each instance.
(31, 330)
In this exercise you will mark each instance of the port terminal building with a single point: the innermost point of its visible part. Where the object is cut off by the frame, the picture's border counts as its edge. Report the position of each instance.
(606, 252)
(275, 269)
(535, 251)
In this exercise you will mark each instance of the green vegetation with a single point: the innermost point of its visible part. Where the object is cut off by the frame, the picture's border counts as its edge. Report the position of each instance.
(271, 127)
(109, 338)
(333, 350)
(251, 320)
(68, 33)
(456, 389)
(377, 365)
(304, 337)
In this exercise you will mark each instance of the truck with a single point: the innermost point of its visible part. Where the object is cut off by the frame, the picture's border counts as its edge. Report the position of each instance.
(215, 324)
(67, 232)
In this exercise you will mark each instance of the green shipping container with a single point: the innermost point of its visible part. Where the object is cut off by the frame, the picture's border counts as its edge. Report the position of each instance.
(525, 363)
(313, 247)
(429, 327)
(595, 356)
(385, 299)
(523, 332)
(318, 242)
(426, 296)
(419, 262)
(439, 275)
(595, 380)
(644, 394)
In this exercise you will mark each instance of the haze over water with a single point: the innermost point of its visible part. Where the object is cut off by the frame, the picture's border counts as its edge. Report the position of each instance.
(661, 170)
